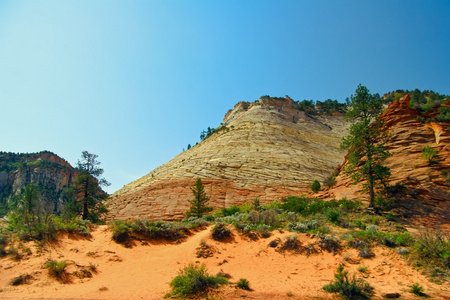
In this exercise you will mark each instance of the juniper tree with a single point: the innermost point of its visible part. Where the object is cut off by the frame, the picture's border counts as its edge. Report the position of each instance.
(366, 141)
(88, 196)
(199, 203)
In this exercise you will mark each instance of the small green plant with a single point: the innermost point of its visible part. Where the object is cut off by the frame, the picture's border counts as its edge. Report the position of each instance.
(57, 269)
(362, 269)
(429, 154)
(315, 186)
(243, 284)
(349, 288)
(417, 289)
(194, 281)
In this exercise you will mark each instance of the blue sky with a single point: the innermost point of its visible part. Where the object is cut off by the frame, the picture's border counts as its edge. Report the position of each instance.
(136, 81)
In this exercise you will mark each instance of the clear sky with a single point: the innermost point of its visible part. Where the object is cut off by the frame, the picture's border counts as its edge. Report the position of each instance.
(136, 81)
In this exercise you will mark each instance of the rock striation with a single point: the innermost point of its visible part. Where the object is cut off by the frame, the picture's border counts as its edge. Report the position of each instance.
(52, 174)
(267, 149)
(419, 187)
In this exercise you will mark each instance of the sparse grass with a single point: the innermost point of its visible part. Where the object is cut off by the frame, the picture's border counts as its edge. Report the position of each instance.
(432, 253)
(362, 269)
(349, 287)
(243, 284)
(417, 289)
(194, 281)
(57, 270)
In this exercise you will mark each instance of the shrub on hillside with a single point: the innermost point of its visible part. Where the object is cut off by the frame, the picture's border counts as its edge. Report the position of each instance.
(220, 232)
(194, 281)
(315, 186)
(57, 270)
(349, 287)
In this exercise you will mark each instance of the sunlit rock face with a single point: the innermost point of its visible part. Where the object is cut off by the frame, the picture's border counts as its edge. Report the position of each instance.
(421, 188)
(267, 149)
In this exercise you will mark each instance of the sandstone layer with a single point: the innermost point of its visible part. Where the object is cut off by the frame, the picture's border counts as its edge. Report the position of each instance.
(52, 174)
(267, 149)
(418, 187)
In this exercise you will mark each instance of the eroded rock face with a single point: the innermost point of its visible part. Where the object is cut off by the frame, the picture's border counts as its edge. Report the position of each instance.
(422, 187)
(52, 174)
(267, 150)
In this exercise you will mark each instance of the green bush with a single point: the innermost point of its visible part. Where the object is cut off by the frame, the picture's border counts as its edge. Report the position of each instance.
(429, 154)
(349, 288)
(432, 252)
(417, 289)
(230, 211)
(194, 281)
(332, 215)
(243, 284)
(57, 269)
(315, 186)
(220, 232)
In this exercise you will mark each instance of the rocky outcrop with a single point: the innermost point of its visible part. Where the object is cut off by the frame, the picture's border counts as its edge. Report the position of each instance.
(420, 187)
(52, 174)
(267, 149)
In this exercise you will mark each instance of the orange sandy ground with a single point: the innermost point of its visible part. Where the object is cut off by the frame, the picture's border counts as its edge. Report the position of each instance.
(144, 271)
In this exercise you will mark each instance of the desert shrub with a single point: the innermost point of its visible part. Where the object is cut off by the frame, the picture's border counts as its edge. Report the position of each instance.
(220, 232)
(330, 244)
(390, 217)
(432, 251)
(121, 232)
(230, 211)
(357, 244)
(291, 216)
(417, 289)
(274, 243)
(14, 253)
(366, 252)
(444, 114)
(243, 284)
(362, 269)
(74, 226)
(349, 205)
(333, 215)
(383, 202)
(304, 226)
(171, 231)
(194, 281)
(263, 230)
(57, 269)
(403, 251)
(21, 279)
(348, 287)
(429, 154)
(291, 243)
(315, 186)
(390, 239)
(269, 217)
(193, 222)
(272, 205)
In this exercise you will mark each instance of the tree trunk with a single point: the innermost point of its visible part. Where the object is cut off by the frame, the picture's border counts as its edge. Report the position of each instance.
(370, 187)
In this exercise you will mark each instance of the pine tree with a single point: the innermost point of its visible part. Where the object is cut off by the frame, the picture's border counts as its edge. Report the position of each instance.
(199, 203)
(366, 141)
(87, 192)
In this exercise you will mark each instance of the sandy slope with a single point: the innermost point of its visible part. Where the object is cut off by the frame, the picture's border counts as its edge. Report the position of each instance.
(144, 271)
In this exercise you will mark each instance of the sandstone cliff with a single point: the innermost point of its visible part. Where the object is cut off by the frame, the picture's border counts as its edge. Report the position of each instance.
(48, 171)
(417, 187)
(267, 150)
